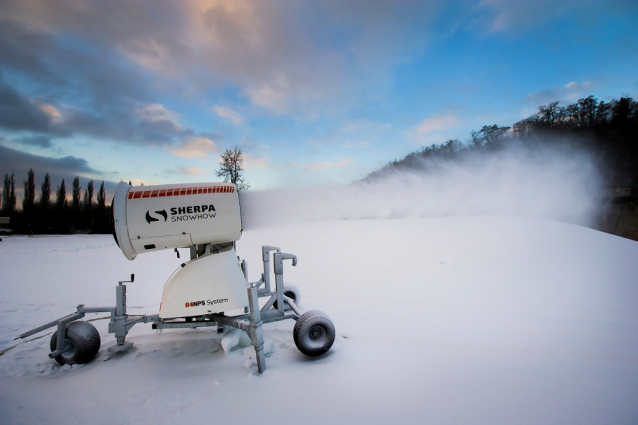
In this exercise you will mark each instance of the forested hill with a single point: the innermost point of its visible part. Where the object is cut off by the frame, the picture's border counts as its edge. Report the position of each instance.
(607, 130)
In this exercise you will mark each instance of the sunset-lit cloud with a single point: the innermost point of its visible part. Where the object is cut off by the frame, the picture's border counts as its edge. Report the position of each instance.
(228, 114)
(187, 171)
(156, 112)
(517, 16)
(253, 162)
(437, 123)
(52, 111)
(194, 147)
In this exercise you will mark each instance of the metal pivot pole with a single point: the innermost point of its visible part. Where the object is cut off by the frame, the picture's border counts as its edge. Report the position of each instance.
(265, 255)
(118, 324)
(254, 329)
(244, 269)
(278, 259)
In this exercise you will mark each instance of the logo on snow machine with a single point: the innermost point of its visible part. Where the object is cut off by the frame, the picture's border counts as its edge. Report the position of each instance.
(193, 212)
(207, 302)
(150, 218)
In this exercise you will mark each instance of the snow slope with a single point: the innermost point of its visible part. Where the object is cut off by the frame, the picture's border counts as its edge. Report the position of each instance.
(459, 320)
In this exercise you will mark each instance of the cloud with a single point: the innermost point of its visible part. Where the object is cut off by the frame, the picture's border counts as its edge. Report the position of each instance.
(517, 16)
(228, 114)
(149, 124)
(39, 141)
(133, 125)
(271, 95)
(23, 50)
(570, 92)
(103, 98)
(283, 55)
(187, 171)
(193, 147)
(357, 133)
(252, 162)
(156, 112)
(51, 111)
(20, 113)
(437, 123)
(311, 166)
(13, 160)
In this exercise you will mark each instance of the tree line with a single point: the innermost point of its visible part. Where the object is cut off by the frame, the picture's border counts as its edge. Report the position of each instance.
(57, 216)
(608, 130)
(53, 213)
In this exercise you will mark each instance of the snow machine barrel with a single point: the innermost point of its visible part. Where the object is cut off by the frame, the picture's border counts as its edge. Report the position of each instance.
(150, 218)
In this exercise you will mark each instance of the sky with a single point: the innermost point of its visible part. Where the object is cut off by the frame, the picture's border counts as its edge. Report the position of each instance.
(314, 92)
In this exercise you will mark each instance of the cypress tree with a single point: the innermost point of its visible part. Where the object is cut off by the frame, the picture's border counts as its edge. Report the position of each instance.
(9, 194)
(45, 195)
(29, 191)
(101, 199)
(88, 197)
(60, 197)
(77, 194)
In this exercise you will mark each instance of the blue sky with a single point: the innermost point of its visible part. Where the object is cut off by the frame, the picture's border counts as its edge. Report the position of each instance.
(315, 92)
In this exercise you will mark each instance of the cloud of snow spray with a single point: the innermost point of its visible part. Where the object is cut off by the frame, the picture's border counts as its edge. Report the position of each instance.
(549, 182)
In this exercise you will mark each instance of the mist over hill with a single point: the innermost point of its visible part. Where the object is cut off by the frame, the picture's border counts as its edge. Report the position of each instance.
(606, 134)
(555, 164)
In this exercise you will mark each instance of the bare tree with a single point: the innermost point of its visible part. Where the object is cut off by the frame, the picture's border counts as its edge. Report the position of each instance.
(231, 168)
(549, 113)
(572, 117)
(489, 135)
(588, 107)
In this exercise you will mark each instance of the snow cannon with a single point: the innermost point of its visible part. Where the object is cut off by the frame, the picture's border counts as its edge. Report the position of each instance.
(210, 290)
(204, 215)
(150, 218)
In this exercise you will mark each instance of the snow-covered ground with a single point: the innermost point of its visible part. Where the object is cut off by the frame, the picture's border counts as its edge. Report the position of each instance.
(459, 320)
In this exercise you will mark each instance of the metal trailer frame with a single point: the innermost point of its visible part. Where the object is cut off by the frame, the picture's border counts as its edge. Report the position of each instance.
(251, 321)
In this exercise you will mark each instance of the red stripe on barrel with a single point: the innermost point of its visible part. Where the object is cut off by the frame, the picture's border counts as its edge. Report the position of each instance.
(159, 193)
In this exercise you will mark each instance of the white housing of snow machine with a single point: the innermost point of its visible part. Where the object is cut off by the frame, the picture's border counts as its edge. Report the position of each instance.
(151, 218)
(209, 284)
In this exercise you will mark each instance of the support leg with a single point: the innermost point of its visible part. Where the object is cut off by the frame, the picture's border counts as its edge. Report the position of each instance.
(118, 324)
(255, 332)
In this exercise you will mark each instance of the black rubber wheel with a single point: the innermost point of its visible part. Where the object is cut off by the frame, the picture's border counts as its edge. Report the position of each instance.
(291, 291)
(85, 340)
(314, 333)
